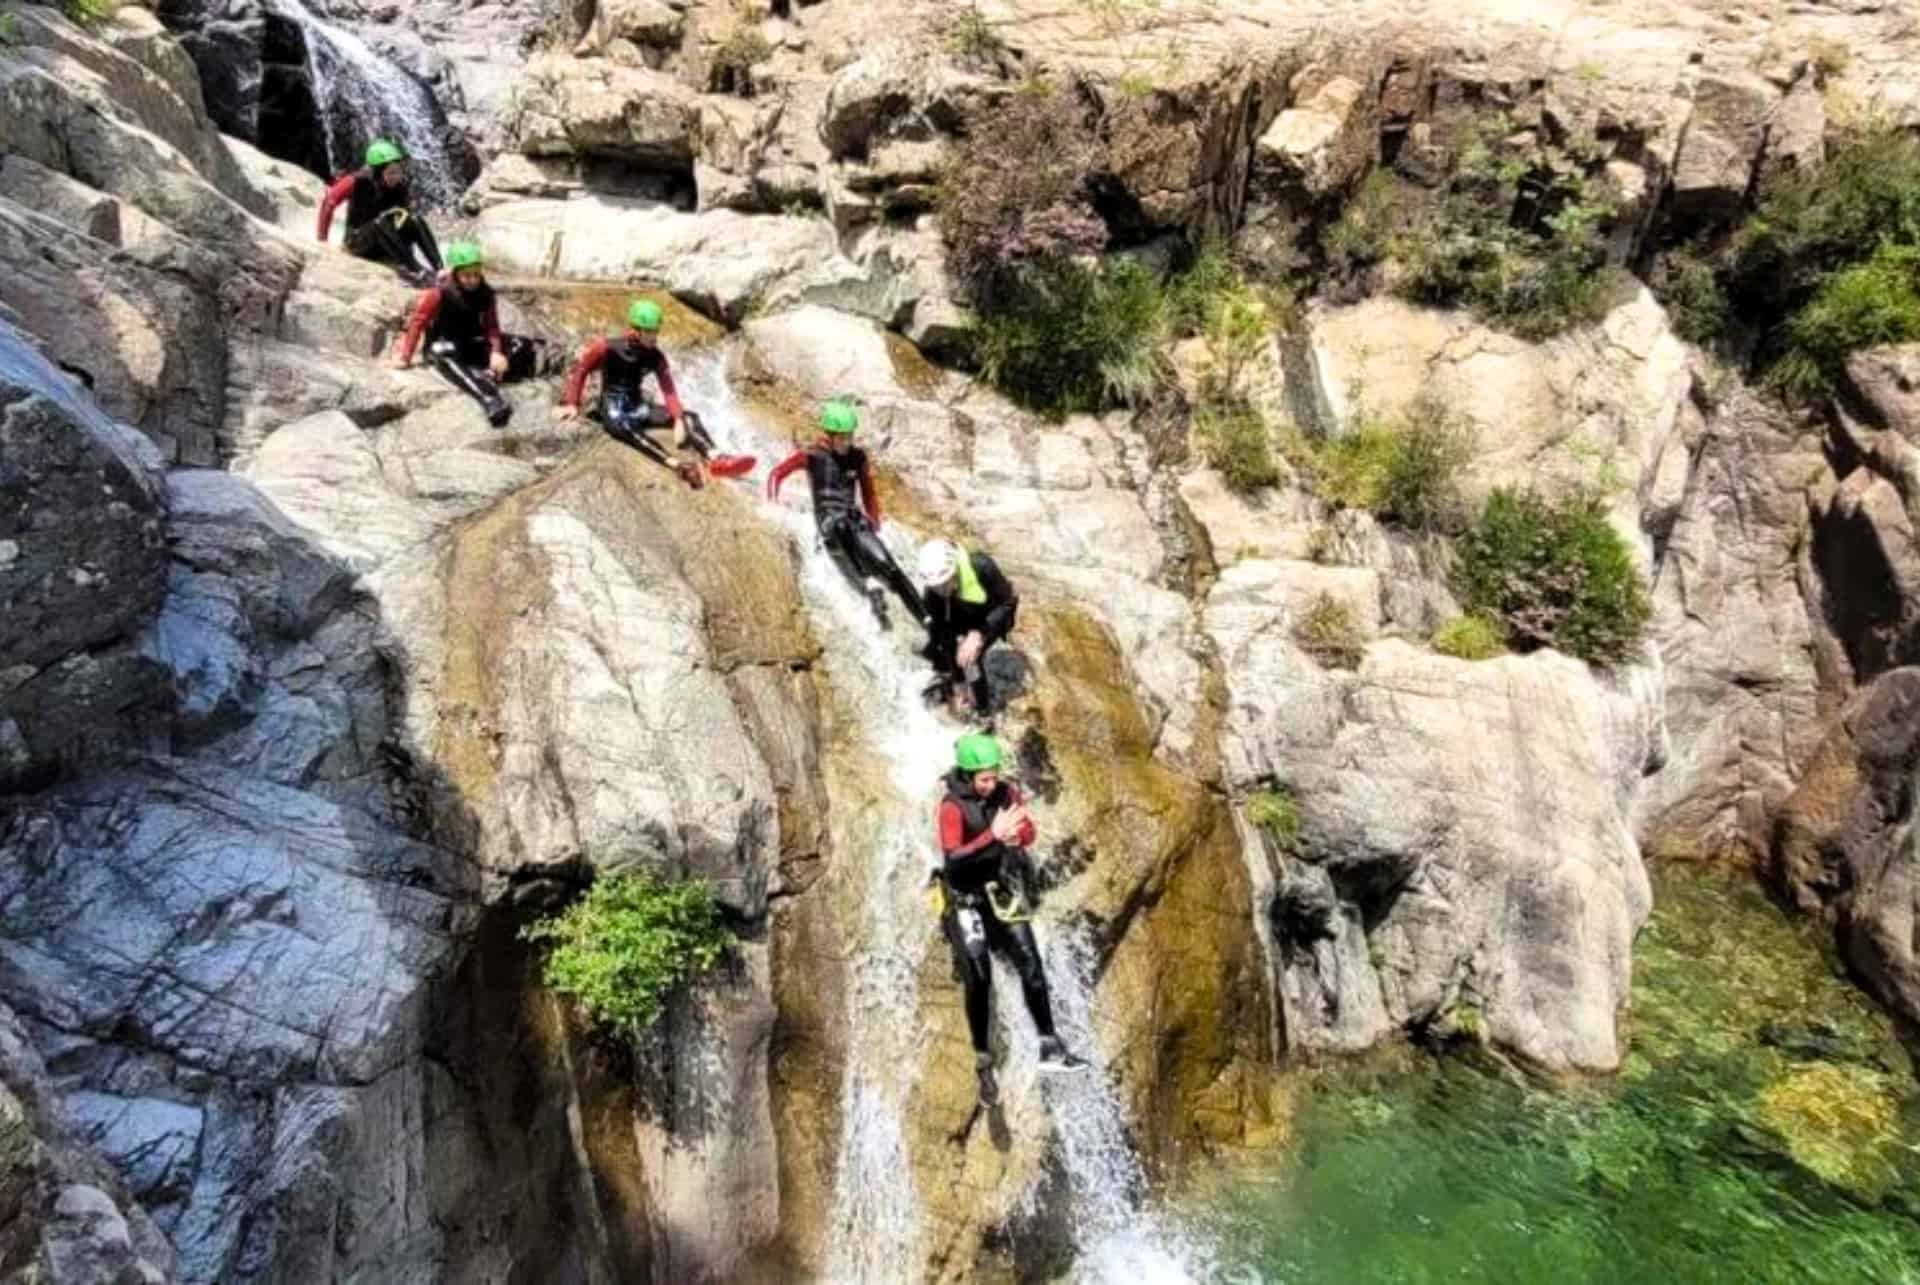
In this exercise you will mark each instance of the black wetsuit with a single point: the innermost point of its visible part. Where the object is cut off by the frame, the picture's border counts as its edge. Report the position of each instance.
(951, 617)
(461, 331)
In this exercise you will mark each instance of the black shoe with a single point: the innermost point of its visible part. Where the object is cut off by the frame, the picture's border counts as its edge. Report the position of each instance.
(989, 1087)
(1055, 1060)
(499, 415)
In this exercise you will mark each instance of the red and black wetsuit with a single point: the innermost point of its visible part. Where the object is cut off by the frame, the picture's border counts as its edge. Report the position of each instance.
(971, 859)
(461, 329)
(381, 221)
(625, 365)
(846, 512)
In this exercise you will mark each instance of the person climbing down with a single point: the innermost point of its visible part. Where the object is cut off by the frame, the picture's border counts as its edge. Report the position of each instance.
(970, 607)
(381, 222)
(624, 362)
(846, 510)
(984, 825)
(459, 320)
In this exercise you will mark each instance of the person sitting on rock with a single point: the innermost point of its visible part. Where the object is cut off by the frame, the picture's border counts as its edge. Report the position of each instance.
(970, 606)
(625, 362)
(381, 222)
(459, 320)
(846, 510)
(984, 828)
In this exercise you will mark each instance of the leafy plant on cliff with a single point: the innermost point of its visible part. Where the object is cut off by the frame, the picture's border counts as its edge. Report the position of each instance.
(1330, 632)
(1076, 336)
(1273, 812)
(1822, 268)
(1469, 638)
(1517, 233)
(1015, 194)
(627, 942)
(1868, 304)
(731, 69)
(90, 12)
(1554, 573)
(9, 29)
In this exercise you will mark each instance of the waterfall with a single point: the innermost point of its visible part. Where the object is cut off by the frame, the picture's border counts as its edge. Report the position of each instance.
(875, 1236)
(360, 95)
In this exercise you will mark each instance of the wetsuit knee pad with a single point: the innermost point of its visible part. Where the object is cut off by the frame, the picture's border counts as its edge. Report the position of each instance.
(967, 931)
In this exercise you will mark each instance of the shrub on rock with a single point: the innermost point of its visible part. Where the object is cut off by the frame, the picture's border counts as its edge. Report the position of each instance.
(1554, 573)
(623, 946)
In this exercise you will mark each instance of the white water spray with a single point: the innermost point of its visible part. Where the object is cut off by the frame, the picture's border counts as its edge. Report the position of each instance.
(876, 1214)
(351, 80)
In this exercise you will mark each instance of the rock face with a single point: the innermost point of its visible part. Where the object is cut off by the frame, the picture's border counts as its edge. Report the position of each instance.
(82, 567)
(1844, 842)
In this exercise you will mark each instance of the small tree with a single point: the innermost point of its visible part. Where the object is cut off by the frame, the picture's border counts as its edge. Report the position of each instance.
(624, 945)
(1555, 574)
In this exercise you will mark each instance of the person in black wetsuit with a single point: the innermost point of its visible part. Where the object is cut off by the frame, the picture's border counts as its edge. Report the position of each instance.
(381, 221)
(459, 321)
(984, 828)
(970, 607)
(625, 362)
(846, 510)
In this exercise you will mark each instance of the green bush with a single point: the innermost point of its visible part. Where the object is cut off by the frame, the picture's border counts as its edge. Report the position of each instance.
(1517, 234)
(731, 71)
(1236, 442)
(1364, 232)
(1405, 471)
(9, 29)
(972, 37)
(1273, 812)
(627, 942)
(1421, 485)
(1329, 632)
(1816, 272)
(1554, 573)
(91, 12)
(1075, 337)
(1469, 638)
(1696, 301)
(1863, 306)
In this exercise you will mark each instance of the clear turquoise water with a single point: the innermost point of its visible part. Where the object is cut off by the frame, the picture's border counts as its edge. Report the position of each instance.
(1763, 1130)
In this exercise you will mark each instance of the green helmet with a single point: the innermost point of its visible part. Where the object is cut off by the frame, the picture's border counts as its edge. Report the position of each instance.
(462, 254)
(643, 314)
(977, 752)
(383, 151)
(839, 417)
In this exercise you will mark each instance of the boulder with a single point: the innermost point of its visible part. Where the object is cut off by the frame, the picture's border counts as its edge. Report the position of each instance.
(82, 565)
(1843, 845)
(225, 969)
(1598, 406)
(723, 263)
(1715, 167)
(1485, 859)
(1741, 643)
(1321, 144)
(593, 107)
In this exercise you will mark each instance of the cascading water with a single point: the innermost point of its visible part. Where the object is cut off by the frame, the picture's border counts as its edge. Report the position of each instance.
(360, 95)
(876, 1214)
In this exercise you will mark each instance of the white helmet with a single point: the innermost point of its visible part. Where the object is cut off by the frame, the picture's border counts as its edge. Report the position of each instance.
(938, 559)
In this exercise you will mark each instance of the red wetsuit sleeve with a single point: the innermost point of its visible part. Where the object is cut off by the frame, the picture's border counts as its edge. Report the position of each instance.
(781, 470)
(341, 190)
(423, 315)
(869, 496)
(667, 390)
(590, 359)
(495, 340)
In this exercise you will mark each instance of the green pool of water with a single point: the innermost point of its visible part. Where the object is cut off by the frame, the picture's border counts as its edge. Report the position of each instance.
(1764, 1129)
